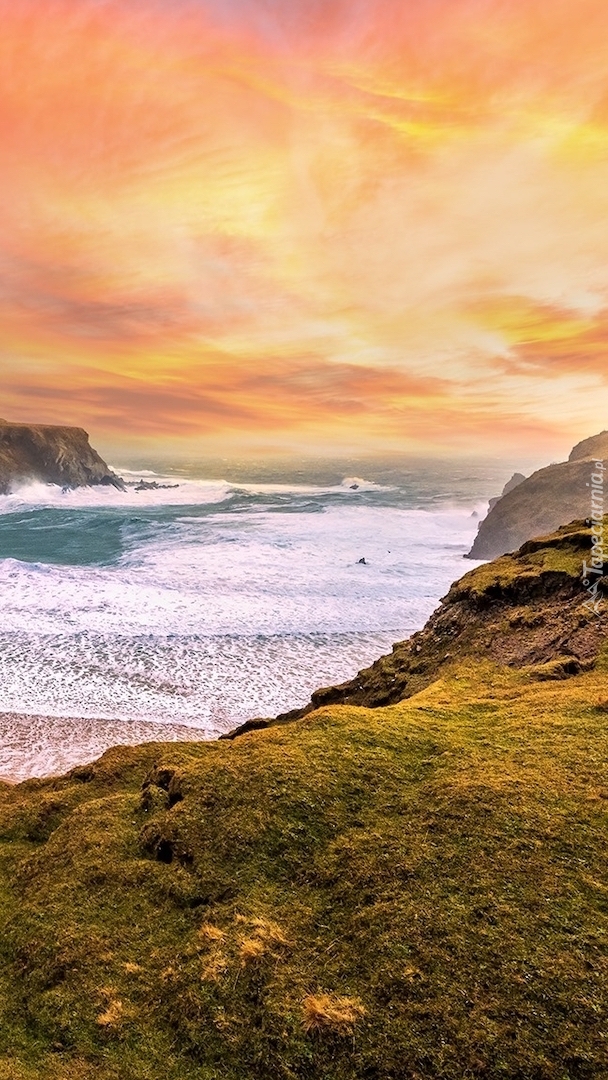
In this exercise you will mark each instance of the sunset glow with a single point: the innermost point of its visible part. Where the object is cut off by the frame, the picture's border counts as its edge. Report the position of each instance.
(316, 224)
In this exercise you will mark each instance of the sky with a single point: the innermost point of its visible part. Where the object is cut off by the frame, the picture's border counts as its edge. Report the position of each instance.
(322, 226)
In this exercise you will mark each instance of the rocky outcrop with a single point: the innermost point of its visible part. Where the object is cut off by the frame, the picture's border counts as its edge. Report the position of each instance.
(541, 503)
(52, 455)
(594, 448)
(517, 479)
(527, 610)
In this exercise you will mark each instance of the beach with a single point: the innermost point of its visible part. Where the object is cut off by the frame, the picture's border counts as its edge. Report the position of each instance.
(33, 746)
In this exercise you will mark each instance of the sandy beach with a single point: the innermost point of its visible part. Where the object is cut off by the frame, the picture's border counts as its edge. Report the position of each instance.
(60, 743)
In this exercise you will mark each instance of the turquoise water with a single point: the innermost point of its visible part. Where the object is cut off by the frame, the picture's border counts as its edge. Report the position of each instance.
(98, 531)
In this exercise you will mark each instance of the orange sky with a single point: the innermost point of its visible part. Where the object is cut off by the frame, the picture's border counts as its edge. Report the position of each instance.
(350, 224)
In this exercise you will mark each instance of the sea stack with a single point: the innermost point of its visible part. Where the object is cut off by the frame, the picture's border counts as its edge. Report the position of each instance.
(51, 455)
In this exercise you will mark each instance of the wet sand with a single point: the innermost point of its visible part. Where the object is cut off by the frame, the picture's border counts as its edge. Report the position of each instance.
(48, 745)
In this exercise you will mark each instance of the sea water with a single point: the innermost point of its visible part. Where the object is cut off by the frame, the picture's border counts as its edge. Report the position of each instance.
(181, 611)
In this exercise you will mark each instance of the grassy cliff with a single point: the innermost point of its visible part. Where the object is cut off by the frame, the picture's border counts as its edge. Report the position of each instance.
(521, 610)
(416, 890)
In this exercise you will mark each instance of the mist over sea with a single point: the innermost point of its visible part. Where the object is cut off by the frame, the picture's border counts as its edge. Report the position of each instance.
(179, 612)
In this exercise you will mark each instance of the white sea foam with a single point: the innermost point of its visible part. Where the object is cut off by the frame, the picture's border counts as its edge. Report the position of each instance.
(238, 606)
(175, 492)
(259, 573)
(46, 745)
(170, 491)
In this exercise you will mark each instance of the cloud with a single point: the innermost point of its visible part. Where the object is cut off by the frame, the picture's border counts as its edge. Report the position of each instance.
(352, 220)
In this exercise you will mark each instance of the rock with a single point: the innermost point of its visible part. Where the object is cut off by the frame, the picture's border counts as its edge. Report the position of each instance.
(362, 562)
(257, 724)
(541, 503)
(152, 485)
(517, 479)
(595, 447)
(51, 455)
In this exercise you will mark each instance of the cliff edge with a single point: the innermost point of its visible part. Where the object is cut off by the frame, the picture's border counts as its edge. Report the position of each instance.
(51, 455)
(541, 503)
(526, 610)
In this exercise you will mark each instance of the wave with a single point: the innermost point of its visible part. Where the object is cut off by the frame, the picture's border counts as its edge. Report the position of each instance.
(235, 601)
(186, 493)
(358, 483)
(171, 490)
(222, 569)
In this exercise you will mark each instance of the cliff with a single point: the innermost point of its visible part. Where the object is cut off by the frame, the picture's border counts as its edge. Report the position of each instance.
(416, 890)
(595, 448)
(540, 503)
(517, 479)
(524, 610)
(51, 455)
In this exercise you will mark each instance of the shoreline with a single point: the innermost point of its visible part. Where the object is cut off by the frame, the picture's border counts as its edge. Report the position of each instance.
(37, 747)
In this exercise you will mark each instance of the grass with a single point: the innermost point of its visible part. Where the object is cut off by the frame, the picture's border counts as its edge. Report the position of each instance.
(329, 1013)
(414, 891)
(534, 559)
(402, 893)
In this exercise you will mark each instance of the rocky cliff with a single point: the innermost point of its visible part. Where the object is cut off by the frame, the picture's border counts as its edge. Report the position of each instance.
(541, 503)
(525, 610)
(517, 479)
(595, 448)
(53, 455)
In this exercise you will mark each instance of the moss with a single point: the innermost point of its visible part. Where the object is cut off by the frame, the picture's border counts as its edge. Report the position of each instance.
(438, 866)
(416, 890)
(560, 668)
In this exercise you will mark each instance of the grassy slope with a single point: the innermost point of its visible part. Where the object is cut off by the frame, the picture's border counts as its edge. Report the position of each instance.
(412, 891)
(522, 610)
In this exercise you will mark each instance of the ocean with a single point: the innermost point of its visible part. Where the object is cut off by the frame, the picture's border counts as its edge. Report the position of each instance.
(181, 610)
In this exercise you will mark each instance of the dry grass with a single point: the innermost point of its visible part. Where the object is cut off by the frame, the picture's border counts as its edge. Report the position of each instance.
(112, 1015)
(331, 1013)
(211, 933)
(251, 950)
(270, 933)
(215, 967)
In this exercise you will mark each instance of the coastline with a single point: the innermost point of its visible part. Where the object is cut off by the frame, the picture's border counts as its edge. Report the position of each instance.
(436, 823)
(65, 742)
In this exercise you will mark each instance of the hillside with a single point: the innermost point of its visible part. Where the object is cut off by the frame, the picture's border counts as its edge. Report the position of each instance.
(594, 448)
(522, 610)
(51, 455)
(540, 503)
(415, 890)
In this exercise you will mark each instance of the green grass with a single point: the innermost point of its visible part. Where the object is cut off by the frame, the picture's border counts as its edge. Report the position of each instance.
(564, 557)
(439, 865)
(413, 892)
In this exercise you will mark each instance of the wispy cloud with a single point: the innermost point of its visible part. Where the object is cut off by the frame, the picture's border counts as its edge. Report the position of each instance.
(334, 221)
